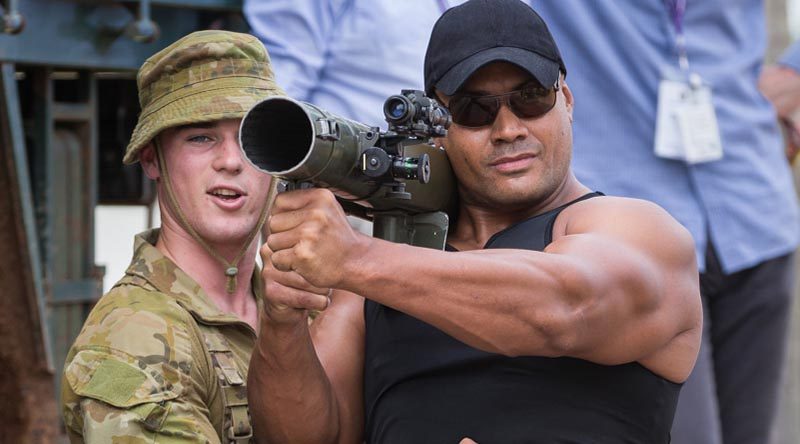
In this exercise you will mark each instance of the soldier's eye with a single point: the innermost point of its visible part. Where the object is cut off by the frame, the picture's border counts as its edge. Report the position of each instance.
(199, 139)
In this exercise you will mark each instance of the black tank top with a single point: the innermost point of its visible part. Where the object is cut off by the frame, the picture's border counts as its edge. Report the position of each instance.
(423, 386)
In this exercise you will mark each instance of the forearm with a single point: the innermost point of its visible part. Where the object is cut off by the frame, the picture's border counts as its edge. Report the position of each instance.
(291, 399)
(495, 300)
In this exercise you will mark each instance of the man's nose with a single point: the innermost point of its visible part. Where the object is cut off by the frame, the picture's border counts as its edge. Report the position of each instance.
(229, 157)
(507, 127)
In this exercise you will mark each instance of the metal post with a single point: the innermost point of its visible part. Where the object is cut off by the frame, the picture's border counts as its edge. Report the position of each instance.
(26, 368)
(13, 139)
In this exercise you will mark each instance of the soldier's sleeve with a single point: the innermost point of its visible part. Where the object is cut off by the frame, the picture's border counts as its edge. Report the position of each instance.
(129, 378)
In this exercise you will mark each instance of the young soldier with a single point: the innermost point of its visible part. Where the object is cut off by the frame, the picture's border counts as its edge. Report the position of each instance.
(163, 356)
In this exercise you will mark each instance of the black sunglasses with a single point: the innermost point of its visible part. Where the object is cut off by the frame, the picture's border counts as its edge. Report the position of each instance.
(533, 100)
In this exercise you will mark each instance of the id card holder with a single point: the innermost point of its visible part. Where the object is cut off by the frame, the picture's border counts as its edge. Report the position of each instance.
(686, 122)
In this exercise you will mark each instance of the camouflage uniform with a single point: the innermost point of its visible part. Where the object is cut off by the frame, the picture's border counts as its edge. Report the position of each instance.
(142, 369)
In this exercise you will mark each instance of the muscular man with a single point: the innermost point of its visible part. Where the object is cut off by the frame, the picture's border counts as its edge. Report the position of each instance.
(557, 315)
(163, 356)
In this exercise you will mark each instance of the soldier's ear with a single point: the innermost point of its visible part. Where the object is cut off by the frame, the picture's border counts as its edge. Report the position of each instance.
(149, 161)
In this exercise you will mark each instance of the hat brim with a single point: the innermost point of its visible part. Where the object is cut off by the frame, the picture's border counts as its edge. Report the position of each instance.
(544, 70)
(225, 102)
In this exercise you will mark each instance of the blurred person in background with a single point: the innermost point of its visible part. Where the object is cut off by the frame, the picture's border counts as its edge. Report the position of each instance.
(780, 83)
(669, 110)
(346, 56)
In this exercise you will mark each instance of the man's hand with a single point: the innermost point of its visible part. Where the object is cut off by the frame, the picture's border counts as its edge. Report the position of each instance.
(287, 295)
(311, 237)
(781, 85)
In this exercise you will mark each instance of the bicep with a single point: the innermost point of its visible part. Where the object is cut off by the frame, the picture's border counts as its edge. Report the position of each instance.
(636, 280)
(338, 335)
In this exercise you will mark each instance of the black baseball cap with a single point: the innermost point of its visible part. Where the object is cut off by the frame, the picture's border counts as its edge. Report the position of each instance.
(478, 32)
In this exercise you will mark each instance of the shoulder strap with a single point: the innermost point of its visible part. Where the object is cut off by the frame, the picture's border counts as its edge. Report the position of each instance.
(236, 425)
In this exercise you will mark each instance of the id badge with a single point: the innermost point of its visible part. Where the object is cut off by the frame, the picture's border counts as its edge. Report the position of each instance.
(686, 123)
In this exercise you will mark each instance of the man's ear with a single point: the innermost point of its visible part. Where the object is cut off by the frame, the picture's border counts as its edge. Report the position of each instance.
(149, 161)
(438, 95)
(569, 100)
(439, 142)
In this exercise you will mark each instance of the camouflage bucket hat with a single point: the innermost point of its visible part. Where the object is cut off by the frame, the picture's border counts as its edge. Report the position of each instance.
(205, 76)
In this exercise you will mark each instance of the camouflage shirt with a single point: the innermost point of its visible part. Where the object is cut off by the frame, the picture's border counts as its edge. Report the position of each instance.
(141, 369)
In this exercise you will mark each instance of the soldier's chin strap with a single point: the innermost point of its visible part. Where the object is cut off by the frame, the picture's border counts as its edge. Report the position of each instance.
(231, 269)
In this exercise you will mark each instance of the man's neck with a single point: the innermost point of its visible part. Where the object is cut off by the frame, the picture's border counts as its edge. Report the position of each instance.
(478, 223)
(209, 273)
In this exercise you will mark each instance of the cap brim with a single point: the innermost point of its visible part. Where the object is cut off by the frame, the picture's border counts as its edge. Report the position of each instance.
(228, 102)
(544, 70)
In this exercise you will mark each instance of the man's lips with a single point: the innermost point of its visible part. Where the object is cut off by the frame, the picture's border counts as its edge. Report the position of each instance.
(227, 197)
(226, 192)
(513, 163)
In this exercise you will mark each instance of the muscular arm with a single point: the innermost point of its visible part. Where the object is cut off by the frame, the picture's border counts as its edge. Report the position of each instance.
(304, 383)
(608, 289)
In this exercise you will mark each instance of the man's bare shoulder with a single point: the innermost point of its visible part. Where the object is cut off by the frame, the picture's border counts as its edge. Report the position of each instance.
(637, 220)
(616, 206)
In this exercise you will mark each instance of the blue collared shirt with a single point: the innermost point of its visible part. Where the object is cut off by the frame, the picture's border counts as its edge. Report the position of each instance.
(615, 52)
(346, 56)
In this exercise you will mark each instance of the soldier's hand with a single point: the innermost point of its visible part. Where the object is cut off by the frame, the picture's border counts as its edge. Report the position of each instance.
(287, 295)
(311, 236)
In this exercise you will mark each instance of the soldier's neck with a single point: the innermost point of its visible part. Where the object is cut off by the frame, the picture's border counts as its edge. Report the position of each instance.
(209, 273)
